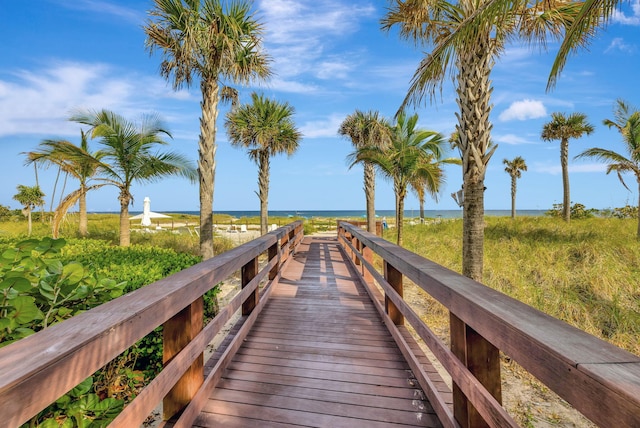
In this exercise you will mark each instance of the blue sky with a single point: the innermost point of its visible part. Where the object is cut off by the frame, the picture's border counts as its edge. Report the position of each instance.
(329, 58)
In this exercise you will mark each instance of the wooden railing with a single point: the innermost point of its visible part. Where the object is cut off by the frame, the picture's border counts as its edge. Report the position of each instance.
(39, 369)
(600, 380)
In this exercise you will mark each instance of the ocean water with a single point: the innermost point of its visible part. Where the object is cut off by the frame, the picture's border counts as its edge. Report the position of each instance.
(361, 213)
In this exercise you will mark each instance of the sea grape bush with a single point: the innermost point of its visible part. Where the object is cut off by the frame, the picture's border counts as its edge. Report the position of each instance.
(39, 289)
(46, 281)
(137, 265)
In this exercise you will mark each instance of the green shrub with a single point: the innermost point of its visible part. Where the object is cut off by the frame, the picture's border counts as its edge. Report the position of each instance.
(578, 211)
(38, 289)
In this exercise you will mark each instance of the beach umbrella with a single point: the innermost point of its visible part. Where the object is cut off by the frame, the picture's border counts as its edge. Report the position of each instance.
(147, 214)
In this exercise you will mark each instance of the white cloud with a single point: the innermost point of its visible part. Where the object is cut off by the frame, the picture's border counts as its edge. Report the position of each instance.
(291, 86)
(333, 70)
(103, 8)
(322, 128)
(620, 17)
(523, 110)
(39, 102)
(618, 44)
(300, 33)
(511, 139)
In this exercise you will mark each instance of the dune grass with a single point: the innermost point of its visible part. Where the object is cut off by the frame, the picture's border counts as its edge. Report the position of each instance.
(586, 273)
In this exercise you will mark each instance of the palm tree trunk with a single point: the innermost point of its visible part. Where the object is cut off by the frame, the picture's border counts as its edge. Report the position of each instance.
(35, 168)
(263, 185)
(473, 226)
(564, 162)
(638, 231)
(400, 195)
(474, 131)
(513, 196)
(125, 232)
(82, 204)
(422, 210)
(206, 163)
(370, 192)
(29, 227)
(55, 187)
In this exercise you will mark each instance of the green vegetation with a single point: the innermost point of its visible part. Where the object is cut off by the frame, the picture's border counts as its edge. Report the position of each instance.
(586, 273)
(265, 128)
(217, 44)
(45, 281)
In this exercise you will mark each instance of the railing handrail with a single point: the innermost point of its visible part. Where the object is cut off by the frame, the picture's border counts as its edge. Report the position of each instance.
(65, 354)
(599, 379)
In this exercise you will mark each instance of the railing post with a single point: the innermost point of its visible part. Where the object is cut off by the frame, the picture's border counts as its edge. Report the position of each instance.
(483, 361)
(356, 244)
(394, 278)
(367, 255)
(272, 252)
(248, 272)
(177, 332)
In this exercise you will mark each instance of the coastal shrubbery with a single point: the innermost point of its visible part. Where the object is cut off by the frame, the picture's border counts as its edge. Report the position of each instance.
(45, 281)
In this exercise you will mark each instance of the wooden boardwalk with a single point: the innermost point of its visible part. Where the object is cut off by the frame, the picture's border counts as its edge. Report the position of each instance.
(318, 355)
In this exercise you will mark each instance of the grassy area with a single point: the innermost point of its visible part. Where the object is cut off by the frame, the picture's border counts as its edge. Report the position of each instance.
(586, 273)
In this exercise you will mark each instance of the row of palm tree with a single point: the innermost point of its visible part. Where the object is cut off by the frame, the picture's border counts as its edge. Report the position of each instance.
(466, 38)
(128, 153)
(204, 40)
(409, 156)
(564, 127)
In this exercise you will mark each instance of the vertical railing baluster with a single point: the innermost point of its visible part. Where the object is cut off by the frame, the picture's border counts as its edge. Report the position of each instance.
(177, 332)
(248, 272)
(367, 255)
(483, 361)
(394, 278)
(273, 252)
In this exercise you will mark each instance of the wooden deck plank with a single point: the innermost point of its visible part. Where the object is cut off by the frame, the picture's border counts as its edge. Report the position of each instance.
(319, 355)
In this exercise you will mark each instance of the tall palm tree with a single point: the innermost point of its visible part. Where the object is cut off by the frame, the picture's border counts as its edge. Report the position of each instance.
(562, 128)
(79, 163)
(367, 129)
(514, 168)
(467, 37)
(265, 128)
(129, 154)
(410, 158)
(206, 40)
(627, 122)
(29, 197)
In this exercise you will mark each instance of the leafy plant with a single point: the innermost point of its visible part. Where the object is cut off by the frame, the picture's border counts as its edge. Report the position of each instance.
(38, 289)
(625, 212)
(578, 211)
(79, 408)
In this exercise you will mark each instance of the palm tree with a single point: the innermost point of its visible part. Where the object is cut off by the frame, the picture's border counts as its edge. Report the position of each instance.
(627, 122)
(562, 128)
(410, 158)
(79, 163)
(129, 155)
(367, 129)
(203, 39)
(422, 187)
(29, 198)
(467, 37)
(514, 168)
(265, 128)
